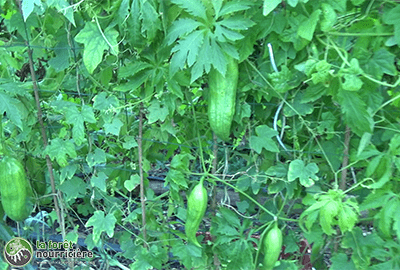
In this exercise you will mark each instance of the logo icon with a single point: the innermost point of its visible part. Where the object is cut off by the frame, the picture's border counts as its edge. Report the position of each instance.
(18, 252)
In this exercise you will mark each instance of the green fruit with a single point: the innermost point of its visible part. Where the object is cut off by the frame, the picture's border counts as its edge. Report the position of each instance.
(196, 208)
(36, 172)
(272, 247)
(222, 99)
(15, 189)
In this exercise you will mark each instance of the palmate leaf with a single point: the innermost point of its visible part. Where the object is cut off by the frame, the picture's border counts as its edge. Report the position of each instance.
(187, 49)
(101, 224)
(264, 139)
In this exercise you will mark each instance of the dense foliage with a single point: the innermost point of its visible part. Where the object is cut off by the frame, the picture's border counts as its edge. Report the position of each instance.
(113, 94)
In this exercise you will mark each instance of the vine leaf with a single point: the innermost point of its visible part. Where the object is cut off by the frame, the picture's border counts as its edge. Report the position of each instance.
(264, 140)
(306, 174)
(77, 119)
(101, 224)
(58, 149)
(99, 181)
(95, 44)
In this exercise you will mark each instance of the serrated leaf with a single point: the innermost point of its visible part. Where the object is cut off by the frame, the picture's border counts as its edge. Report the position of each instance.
(73, 188)
(223, 33)
(129, 143)
(62, 7)
(186, 50)
(237, 23)
(396, 223)
(180, 28)
(346, 218)
(263, 139)
(133, 68)
(151, 22)
(234, 6)
(327, 215)
(95, 43)
(193, 7)
(355, 112)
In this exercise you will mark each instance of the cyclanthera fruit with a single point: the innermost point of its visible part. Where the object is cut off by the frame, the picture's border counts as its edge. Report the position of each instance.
(222, 98)
(15, 189)
(196, 208)
(271, 247)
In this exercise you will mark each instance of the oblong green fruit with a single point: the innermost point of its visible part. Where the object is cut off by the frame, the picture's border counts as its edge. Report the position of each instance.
(15, 189)
(36, 172)
(222, 98)
(196, 208)
(272, 247)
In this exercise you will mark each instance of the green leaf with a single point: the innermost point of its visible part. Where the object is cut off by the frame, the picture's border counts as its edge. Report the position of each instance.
(299, 106)
(340, 262)
(99, 181)
(77, 119)
(59, 149)
(157, 112)
(180, 28)
(352, 82)
(381, 62)
(151, 22)
(68, 172)
(270, 5)
(102, 102)
(396, 224)
(306, 174)
(73, 188)
(186, 50)
(62, 7)
(329, 17)
(101, 224)
(306, 30)
(355, 112)
(132, 183)
(365, 140)
(234, 6)
(10, 106)
(263, 140)
(97, 157)
(114, 127)
(393, 17)
(129, 143)
(193, 7)
(95, 44)
(27, 7)
(327, 215)
(237, 23)
(347, 218)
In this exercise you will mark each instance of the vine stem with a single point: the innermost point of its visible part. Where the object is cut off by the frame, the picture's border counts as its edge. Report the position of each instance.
(345, 162)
